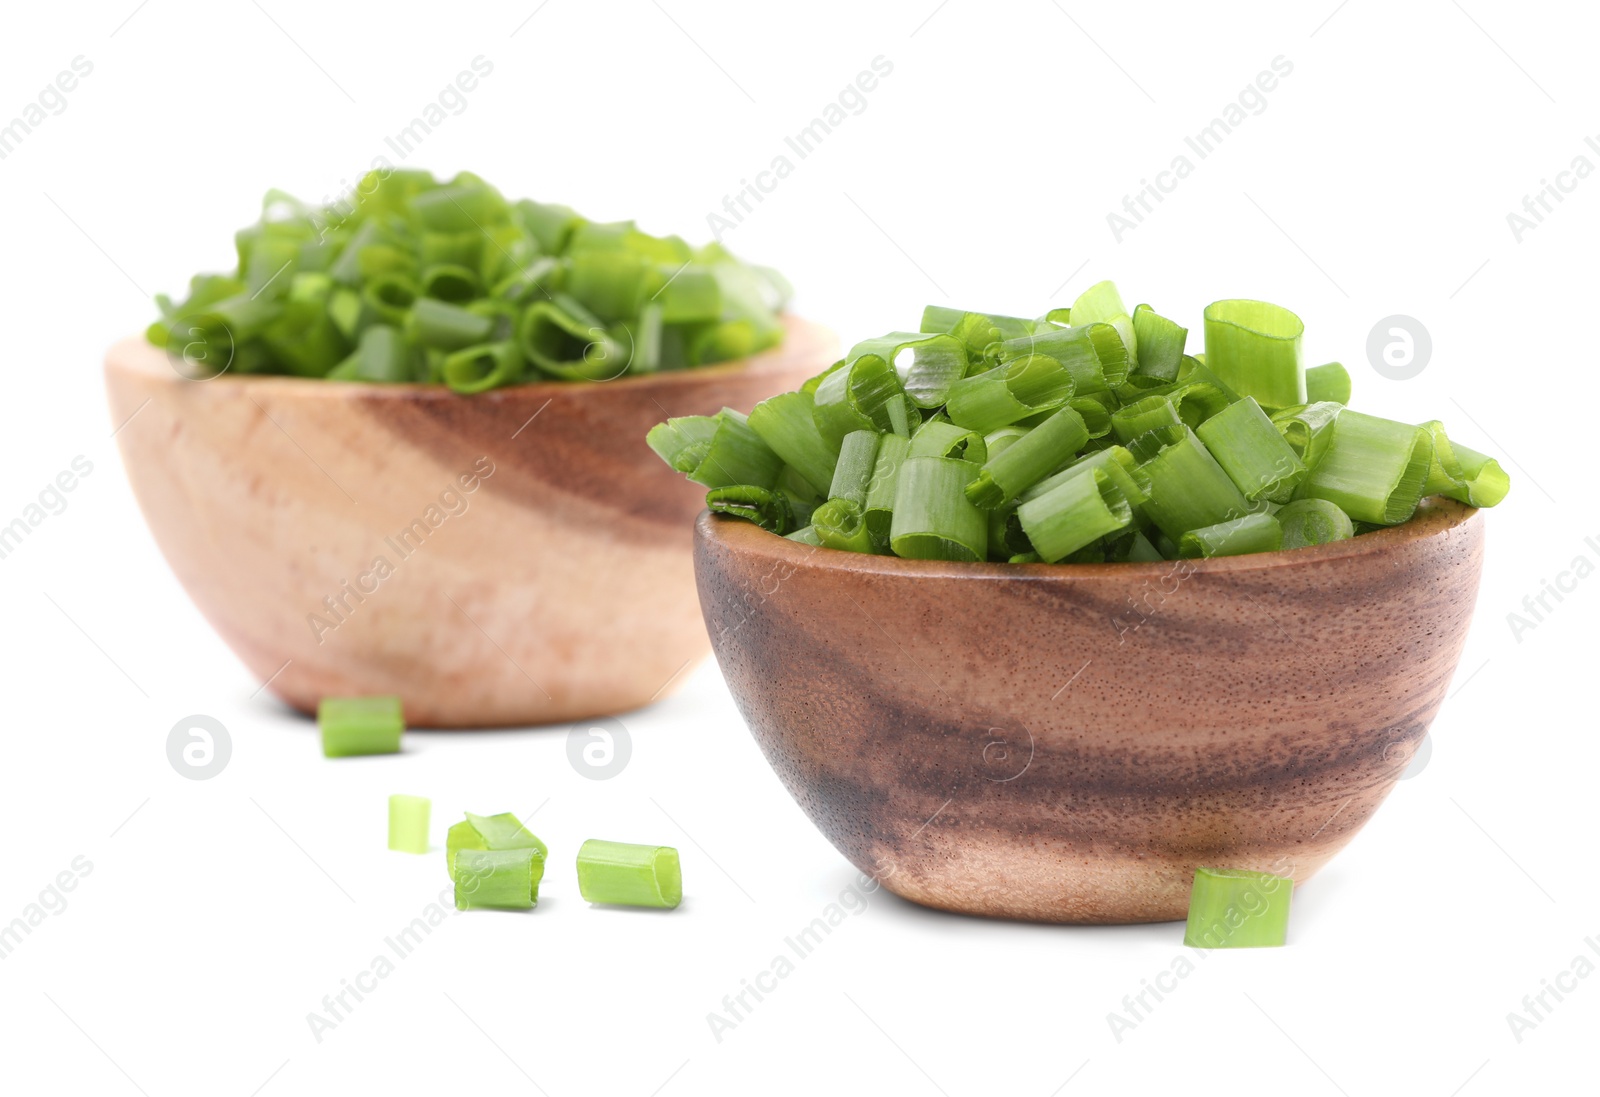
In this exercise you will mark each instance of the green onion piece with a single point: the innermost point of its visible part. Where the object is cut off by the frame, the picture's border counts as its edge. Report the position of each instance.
(1024, 463)
(1135, 548)
(1132, 420)
(997, 442)
(1234, 908)
(856, 397)
(360, 725)
(1313, 522)
(564, 340)
(1184, 486)
(451, 282)
(1308, 429)
(1007, 393)
(976, 330)
(623, 874)
(1252, 452)
(382, 356)
(1075, 513)
(938, 361)
(937, 438)
(390, 297)
(1095, 410)
(1463, 474)
(1373, 468)
(503, 831)
(1115, 461)
(858, 457)
(717, 451)
(1160, 344)
(551, 225)
(448, 327)
(806, 535)
(879, 507)
(613, 285)
(766, 507)
(497, 879)
(1097, 304)
(408, 823)
(842, 524)
(479, 369)
(692, 294)
(1094, 355)
(1252, 533)
(933, 518)
(786, 424)
(1328, 382)
(1254, 348)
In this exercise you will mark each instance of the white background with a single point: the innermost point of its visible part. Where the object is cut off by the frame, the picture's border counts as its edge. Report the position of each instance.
(219, 913)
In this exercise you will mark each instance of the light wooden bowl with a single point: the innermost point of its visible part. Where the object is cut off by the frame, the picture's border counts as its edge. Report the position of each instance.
(1066, 743)
(559, 587)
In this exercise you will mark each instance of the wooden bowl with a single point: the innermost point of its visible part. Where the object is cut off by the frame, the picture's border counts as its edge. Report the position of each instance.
(516, 557)
(1066, 743)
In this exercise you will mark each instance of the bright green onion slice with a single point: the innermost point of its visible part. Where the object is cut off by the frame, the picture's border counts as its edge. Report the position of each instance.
(858, 457)
(933, 518)
(1252, 533)
(1030, 459)
(1185, 488)
(623, 874)
(1328, 382)
(479, 369)
(1160, 344)
(1373, 468)
(493, 832)
(1308, 522)
(445, 326)
(1007, 393)
(1078, 511)
(408, 823)
(766, 507)
(360, 725)
(857, 396)
(1252, 452)
(1133, 419)
(842, 524)
(718, 451)
(1463, 474)
(1254, 348)
(937, 438)
(975, 330)
(879, 506)
(498, 879)
(1308, 429)
(938, 361)
(382, 357)
(1235, 908)
(787, 424)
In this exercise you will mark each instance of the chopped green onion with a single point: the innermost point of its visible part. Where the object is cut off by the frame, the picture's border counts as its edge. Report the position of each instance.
(1236, 908)
(1238, 537)
(858, 457)
(842, 524)
(1133, 419)
(498, 879)
(1254, 348)
(360, 725)
(933, 518)
(479, 369)
(1308, 429)
(1374, 469)
(1463, 474)
(937, 438)
(1007, 393)
(879, 506)
(623, 874)
(787, 424)
(1313, 522)
(1160, 344)
(766, 507)
(408, 823)
(975, 330)
(1038, 453)
(1093, 356)
(491, 832)
(1252, 452)
(717, 451)
(1184, 486)
(1078, 511)
(938, 361)
(857, 396)
(1328, 382)
(382, 356)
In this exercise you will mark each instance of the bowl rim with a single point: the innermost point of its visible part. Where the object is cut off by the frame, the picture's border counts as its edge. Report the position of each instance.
(1435, 516)
(135, 355)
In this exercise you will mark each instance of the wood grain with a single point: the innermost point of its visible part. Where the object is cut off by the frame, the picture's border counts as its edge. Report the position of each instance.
(558, 588)
(1067, 743)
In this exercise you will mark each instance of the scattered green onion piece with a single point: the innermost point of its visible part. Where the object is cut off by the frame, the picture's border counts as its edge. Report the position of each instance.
(360, 725)
(1235, 908)
(767, 508)
(856, 397)
(858, 458)
(1313, 522)
(1019, 466)
(479, 369)
(1328, 382)
(1373, 468)
(497, 879)
(1115, 461)
(937, 438)
(717, 451)
(1308, 429)
(408, 823)
(786, 423)
(1254, 347)
(1463, 474)
(1160, 344)
(938, 361)
(1238, 537)
(623, 874)
(1185, 488)
(1075, 513)
(496, 832)
(933, 518)
(1097, 304)
(879, 507)
(1252, 452)
(1132, 420)
(1003, 395)
(842, 524)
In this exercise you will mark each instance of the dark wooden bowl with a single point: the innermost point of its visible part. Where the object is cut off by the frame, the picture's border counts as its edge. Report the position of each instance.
(536, 552)
(1066, 743)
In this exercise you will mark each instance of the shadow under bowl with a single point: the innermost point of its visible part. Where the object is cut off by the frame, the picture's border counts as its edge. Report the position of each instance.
(1067, 743)
(515, 557)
